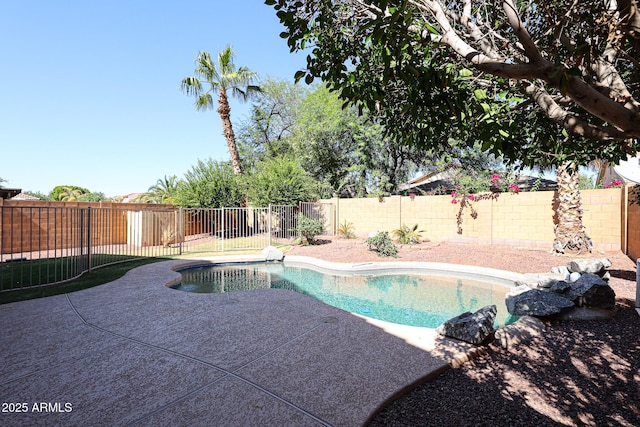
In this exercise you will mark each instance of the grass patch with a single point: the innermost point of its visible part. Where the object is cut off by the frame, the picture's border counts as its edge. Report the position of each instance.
(49, 270)
(97, 276)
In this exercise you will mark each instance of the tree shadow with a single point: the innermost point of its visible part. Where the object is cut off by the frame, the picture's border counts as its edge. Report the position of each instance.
(575, 373)
(623, 274)
(319, 242)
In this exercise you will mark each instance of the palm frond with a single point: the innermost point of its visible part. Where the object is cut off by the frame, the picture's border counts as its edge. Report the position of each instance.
(191, 86)
(204, 102)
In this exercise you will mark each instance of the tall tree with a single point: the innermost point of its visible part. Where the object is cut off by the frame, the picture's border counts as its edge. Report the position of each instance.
(570, 232)
(514, 76)
(274, 115)
(349, 151)
(222, 78)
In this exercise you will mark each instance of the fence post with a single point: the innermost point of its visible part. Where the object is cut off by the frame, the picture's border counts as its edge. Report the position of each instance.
(269, 225)
(89, 237)
(80, 260)
(223, 229)
(180, 229)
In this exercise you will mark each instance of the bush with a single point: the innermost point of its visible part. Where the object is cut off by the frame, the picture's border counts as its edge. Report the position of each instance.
(346, 230)
(408, 236)
(308, 229)
(382, 243)
(209, 184)
(279, 181)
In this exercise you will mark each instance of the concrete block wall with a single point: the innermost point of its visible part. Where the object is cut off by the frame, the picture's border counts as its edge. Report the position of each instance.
(604, 217)
(633, 230)
(523, 220)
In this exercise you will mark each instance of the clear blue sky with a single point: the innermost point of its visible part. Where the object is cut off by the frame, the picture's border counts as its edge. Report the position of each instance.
(90, 91)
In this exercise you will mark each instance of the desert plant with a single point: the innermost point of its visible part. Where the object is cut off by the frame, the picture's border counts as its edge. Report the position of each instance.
(408, 235)
(383, 244)
(347, 230)
(307, 229)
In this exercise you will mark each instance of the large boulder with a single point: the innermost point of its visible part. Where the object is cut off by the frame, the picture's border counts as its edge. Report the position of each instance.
(540, 280)
(473, 328)
(591, 291)
(272, 253)
(588, 265)
(535, 302)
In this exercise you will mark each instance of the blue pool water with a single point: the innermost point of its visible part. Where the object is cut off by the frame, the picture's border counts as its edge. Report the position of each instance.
(408, 299)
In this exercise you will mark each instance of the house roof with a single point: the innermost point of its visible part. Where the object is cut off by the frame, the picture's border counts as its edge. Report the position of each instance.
(23, 196)
(8, 193)
(431, 181)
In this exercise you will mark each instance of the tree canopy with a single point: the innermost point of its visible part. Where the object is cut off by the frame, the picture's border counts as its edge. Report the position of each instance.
(346, 152)
(533, 80)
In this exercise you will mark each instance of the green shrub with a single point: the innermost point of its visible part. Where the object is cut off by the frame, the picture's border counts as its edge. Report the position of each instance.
(279, 181)
(308, 229)
(382, 243)
(346, 230)
(408, 235)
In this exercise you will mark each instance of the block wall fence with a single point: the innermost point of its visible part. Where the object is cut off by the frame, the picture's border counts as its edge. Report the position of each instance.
(522, 220)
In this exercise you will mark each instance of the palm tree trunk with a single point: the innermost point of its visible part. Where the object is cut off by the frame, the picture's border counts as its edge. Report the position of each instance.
(225, 114)
(570, 233)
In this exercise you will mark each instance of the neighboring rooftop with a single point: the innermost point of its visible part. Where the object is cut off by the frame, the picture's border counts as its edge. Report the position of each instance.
(23, 196)
(8, 193)
(439, 179)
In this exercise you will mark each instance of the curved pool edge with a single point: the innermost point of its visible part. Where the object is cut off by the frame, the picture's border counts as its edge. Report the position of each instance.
(504, 277)
(508, 278)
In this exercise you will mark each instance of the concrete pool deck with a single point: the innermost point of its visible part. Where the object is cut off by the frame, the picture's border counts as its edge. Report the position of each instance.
(135, 352)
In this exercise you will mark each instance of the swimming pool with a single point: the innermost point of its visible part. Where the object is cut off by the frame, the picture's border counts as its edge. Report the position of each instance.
(412, 298)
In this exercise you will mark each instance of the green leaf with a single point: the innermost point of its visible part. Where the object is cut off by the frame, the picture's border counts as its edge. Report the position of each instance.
(465, 72)
(432, 29)
(503, 133)
(485, 107)
(299, 74)
(270, 2)
(565, 133)
(480, 94)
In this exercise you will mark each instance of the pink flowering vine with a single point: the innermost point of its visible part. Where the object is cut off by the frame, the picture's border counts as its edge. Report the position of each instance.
(616, 183)
(467, 200)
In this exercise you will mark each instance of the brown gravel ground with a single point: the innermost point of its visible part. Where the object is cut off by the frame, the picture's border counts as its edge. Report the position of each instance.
(578, 373)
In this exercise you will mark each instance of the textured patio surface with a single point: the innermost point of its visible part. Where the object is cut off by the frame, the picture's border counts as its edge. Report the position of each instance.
(135, 352)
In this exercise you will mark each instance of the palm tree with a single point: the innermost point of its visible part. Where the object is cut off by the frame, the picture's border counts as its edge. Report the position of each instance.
(570, 232)
(221, 78)
(165, 190)
(70, 194)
